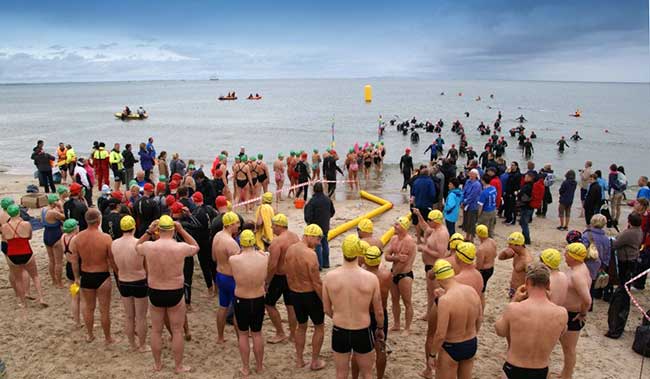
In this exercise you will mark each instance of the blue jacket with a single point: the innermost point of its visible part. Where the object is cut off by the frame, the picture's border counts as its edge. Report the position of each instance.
(424, 191)
(604, 188)
(452, 205)
(567, 192)
(146, 159)
(471, 191)
(644, 192)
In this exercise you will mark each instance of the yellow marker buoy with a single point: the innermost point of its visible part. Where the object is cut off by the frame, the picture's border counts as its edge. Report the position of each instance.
(367, 92)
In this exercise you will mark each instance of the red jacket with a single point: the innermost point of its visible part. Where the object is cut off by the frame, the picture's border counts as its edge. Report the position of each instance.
(496, 183)
(538, 194)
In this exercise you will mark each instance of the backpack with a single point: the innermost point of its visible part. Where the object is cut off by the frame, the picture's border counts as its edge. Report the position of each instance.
(641, 344)
(622, 181)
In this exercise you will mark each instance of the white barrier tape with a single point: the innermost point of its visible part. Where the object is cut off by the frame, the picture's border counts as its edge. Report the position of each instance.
(292, 188)
(634, 300)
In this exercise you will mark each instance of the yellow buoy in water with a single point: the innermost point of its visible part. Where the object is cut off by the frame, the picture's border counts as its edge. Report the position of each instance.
(367, 92)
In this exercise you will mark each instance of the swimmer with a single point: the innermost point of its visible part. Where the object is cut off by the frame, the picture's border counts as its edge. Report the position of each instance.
(316, 161)
(249, 270)
(16, 236)
(372, 263)
(365, 230)
(262, 171)
(132, 284)
(70, 230)
(401, 252)
(91, 258)
(520, 256)
(436, 238)
(223, 247)
(459, 316)
(348, 293)
(278, 171)
(467, 272)
(242, 179)
(577, 304)
(576, 137)
(276, 278)
(165, 259)
(561, 144)
(486, 253)
(303, 278)
(532, 327)
(263, 228)
(559, 282)
(53, 218)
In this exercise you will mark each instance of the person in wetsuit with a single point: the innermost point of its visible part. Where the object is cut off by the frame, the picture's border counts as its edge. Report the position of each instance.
(406, 167)
(561, 144)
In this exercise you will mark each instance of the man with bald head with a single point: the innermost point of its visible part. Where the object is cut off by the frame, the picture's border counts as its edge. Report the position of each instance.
(165, 258)
(91, 259)
(303, 278)
(532, 326)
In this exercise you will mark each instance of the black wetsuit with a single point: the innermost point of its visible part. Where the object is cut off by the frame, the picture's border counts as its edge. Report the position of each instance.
(75, 208)
(406, 167)
(329, 171)
(145, 210)
(111, 224)
(561, 144)
(204, 214)
(303, 177)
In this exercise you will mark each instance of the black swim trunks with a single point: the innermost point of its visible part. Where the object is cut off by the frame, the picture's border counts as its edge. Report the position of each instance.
(277, 287)
(165, 298)
(308, 305)
(93, 280)
(249, 314)
(398, 277)
(486, 274)
(68, 271)
(461, 351)
(514, 372)
(360, 341)
(427, 268)
(137, 289)
(574, 326)
(373, 324)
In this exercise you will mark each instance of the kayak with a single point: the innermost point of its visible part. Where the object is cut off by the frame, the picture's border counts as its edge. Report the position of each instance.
(132, 116)
(254, 98)
(575, 115)
(222, 98)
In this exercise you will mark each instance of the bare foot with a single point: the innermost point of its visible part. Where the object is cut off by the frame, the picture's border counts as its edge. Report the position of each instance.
(427, 374)
(395, 328)
(157, 368)
(244, 372)
(221, 341)
(90, 338)
(277, 339)
(182, 369)
(29, 297)
(111, 341)
(259, 370)
(301, 363)
(317, 365)
(406, 333)
(144, 349)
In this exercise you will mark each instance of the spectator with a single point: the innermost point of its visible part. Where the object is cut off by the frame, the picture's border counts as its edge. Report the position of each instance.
(593, 200)
(595, 234)
(452, 205)
(512, 185)
(319, 210)
(644, 190)
(423, 196)
(567, 193)
(43, 162)
(487, 205)
(129, 162)
(616, 193)
(471, 192)
(146, 161)
(549, 179)
(524, 198)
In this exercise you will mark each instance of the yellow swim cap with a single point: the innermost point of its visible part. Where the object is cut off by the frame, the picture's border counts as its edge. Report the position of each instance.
(229, 218)
(247, 238)
(443, 270)
(482, 231)
(516, 238)
(455, 239)
(404, 222)
(280, 220)
(577, 251)
(551, 258)
(229, 206)
(435, 216)
(267, 198)
(372, 256)
(313, 230)
(365, 225)
(466, 252)
(165, 223)
(352, 246)
(127, 223)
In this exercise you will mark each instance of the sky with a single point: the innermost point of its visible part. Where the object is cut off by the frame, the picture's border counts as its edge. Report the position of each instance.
(75, 40)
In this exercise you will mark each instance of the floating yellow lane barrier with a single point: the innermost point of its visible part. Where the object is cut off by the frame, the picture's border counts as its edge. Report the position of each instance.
(367, 93)
(384, 206)
(389, 234)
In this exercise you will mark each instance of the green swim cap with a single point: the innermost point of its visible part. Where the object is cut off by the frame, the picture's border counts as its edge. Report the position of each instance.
(280, 155)
(328, 150)
(161, 178)
(351, 150)
(52, 198)
(244, 158)
(222, 157)
(260, 156)
(13, 210)
(133, 183)
(61, 190)
(6, 202)
(70, 225)
(293, 153)
(301, 151)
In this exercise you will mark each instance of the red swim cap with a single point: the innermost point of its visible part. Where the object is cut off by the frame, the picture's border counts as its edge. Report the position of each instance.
(221, 202)
(169, 200)
(197, 197)
(176, 208)
(148, 187)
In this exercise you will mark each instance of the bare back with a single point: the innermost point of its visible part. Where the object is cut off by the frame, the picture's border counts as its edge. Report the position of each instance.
(127, 260)
(486, 253)
(559, 287)
(470, 276)
(278, 250)
(578, 289)
(249, 270)
(460, 309)
(223, 247)
(301, 268)
(165, 259)
(350, 291)
(94, 250)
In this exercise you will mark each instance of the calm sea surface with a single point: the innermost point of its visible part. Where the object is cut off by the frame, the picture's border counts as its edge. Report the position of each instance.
(185, 117)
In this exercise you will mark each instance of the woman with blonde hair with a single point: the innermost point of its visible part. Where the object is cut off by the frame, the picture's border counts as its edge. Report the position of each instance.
(595, 235)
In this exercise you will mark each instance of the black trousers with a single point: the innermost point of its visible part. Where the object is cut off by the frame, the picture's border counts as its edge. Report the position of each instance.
(331, 187)
(46, 180)
(208, 267)
(302, 190)
(407, 178)
(619, 306)
(188, 272)
(509, 207)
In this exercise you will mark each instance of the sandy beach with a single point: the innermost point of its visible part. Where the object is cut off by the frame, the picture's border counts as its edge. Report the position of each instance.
(42, 343)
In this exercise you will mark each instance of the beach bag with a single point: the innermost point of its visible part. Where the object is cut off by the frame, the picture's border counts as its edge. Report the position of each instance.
(641, 344)
(592, 251)
(32, 188)
(602, 280)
